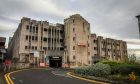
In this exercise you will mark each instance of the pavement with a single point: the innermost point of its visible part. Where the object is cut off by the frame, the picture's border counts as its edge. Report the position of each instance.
(45, 76)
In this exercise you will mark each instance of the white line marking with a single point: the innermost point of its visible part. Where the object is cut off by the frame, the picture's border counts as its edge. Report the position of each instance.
(21, 81)
(13, 78)
(53, 72)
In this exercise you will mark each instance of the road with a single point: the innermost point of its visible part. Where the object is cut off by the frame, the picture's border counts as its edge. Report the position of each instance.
(43, 76)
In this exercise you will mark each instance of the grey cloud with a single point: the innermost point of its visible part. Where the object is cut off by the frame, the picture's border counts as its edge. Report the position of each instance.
(7, 19)
(114, 16)
(111, 17)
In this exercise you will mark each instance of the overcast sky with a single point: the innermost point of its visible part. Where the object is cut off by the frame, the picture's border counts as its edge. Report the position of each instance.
(108, 18)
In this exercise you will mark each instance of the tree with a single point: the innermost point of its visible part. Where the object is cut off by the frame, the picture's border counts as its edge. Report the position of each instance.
(132, 58)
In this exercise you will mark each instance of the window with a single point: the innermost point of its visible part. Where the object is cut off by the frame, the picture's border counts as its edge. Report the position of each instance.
(30, 28)
(48, 48)
(45, 29)
(44, 48)
(83, 27)
(73, 47)
(26, 47)
(33, 28)
(32, 37)
(88, 36)
(92, 57)
(29, 38)
(95, 55)
(36, 29)
(61, 40)
(74, 57)
(35, 47)
(73, 38)
(27, 27)
(108, 50)
(44, 39)
(88, 44)
(73, 29)
(36, 38)
(88, 62)
(95, 48)
(88, 53)
(26, 37)
(73, 21)
(61, 31)
(61, 48)
(94, 41)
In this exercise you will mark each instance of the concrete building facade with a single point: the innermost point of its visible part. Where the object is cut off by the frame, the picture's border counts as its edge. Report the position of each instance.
(2, 49)
(77, 40)
(70, 44)
(108, 49)
(36, 36)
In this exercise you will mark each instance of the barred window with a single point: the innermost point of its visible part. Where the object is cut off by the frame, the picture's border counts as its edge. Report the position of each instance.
(27, 27)
(26, 47)
(26, 37)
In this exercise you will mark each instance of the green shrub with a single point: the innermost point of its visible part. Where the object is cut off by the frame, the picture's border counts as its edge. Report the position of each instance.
(111, 63)
(123, 68)
(98, 69)
(82, 70)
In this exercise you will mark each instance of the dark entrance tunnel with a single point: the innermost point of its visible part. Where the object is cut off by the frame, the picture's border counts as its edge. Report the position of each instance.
(55, 62)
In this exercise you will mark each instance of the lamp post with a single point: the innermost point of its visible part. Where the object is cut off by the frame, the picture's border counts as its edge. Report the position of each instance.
(138, 17)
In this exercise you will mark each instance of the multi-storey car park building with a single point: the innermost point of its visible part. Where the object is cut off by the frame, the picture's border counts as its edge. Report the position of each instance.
(108, 49)
(70, 44)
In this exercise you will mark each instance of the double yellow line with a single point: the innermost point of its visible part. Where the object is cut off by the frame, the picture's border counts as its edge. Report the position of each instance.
(9, 80)
(85, 79)
(7, 76)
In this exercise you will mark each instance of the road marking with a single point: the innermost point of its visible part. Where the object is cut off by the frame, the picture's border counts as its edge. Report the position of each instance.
(53, 72)
(6, 79)
(93, 81)
(13, 78)
(21, 81)
(9, 80)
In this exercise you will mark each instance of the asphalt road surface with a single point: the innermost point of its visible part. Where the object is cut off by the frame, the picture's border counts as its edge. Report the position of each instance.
(42, 76)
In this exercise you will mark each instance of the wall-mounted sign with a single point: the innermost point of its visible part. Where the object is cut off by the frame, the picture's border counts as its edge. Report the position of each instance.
(36, 53)
(55, 57)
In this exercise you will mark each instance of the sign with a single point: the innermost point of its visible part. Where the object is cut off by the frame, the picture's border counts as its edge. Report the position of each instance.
(42, 64)
(36, 53)
(8, 62)
(55, 57)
